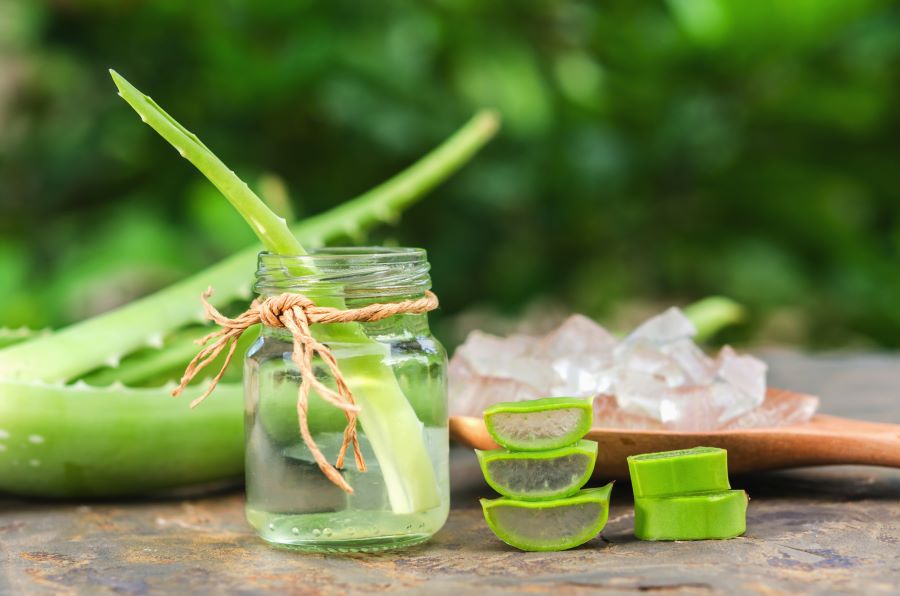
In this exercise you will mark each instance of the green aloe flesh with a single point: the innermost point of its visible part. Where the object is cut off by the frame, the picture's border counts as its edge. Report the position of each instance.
(174, 446)
(539, 424)
(554, 525)
(701, 469)
(701, 516)
(539, 475)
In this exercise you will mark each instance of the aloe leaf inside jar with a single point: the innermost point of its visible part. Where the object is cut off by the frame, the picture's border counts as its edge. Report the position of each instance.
(397, 374)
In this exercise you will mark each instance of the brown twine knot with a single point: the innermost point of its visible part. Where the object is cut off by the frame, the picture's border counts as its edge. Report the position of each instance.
(296, 312)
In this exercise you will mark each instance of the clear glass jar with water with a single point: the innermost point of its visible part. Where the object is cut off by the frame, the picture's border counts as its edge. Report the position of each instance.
(397, 372)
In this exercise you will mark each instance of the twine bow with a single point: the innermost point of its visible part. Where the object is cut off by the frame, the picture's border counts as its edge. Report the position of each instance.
(296, 312)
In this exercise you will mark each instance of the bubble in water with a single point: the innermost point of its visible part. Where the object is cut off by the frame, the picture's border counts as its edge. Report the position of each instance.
(317, 532)
(327, 531)
(271, 526)
(295, 531)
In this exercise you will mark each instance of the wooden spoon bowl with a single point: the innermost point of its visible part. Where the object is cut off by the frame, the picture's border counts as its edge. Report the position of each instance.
(823, 441)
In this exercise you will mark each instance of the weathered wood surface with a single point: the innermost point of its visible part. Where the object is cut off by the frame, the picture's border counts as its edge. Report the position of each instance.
(820, 530)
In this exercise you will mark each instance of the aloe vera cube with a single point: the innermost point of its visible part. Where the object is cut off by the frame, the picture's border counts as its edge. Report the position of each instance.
(669, 473)
(701, 516)
(539, 424)
(539, 475)
(559, 524)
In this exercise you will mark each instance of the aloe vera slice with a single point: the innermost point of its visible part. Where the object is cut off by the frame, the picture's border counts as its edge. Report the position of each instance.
(669, 473)
(701, 516)
(539, 475)
(559, 524)
(539, 424)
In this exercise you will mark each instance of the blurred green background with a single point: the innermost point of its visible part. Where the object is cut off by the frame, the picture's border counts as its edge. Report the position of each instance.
(652, 152)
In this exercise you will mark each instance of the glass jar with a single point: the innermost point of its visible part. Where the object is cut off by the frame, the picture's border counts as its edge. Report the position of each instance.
(398, 375)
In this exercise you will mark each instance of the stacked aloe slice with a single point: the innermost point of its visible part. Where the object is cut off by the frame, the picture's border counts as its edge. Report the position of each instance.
(540, 471)
(685, 495)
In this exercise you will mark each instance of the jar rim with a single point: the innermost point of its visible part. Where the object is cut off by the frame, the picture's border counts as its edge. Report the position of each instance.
(346, 270)
(352, 254)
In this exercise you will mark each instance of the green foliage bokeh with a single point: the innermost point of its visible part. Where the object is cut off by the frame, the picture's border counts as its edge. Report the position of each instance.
(651, 152)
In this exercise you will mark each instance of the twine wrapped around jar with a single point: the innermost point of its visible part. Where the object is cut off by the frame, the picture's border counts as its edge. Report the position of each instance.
(296, 312)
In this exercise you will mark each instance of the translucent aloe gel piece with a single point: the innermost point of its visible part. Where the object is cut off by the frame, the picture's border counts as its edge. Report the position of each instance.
(540, 424)
(667, 473)
(554, 525)
(539, 475)
(700, 516)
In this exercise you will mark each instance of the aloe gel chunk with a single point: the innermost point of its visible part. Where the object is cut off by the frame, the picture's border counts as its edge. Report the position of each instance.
(669, 473)
(539, 475)
(539, 424)
(701, 516)
(559, 524)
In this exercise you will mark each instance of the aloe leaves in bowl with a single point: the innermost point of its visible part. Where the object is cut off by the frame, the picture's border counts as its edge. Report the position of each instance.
(554, 525)
(539, 475)
(539, 424)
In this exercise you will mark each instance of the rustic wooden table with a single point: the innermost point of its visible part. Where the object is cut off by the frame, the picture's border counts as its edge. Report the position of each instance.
(815, 530)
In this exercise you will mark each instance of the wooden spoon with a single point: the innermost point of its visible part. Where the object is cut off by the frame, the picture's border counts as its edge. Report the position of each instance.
(823, 441)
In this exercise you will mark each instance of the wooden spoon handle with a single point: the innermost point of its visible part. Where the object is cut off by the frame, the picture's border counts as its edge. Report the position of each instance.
(823, 441)
(829, 440)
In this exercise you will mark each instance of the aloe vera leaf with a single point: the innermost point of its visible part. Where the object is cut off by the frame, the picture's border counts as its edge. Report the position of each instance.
(700, 469)
(269, 228)
(143, 366)
(10, 336)
(387, 418)
(712, 314)
(105, 339)
(82, 441)
(554, 525)
(538, 424)
(539, 475)
(116, 441)
(152, 367)
(274, 192)
(386, 415)
(699, 516)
